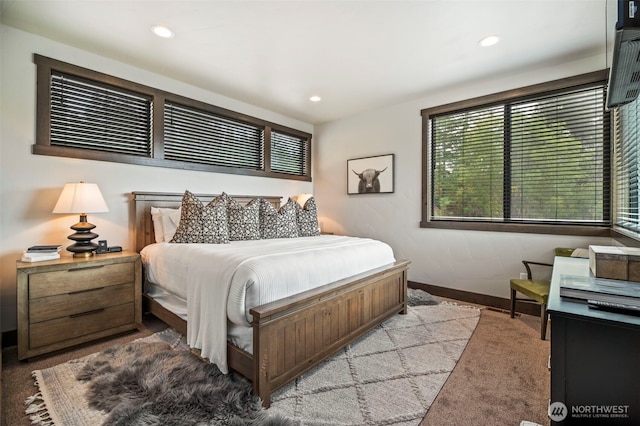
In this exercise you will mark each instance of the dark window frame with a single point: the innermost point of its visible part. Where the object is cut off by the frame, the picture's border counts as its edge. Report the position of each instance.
(43, 146)
(556, 86)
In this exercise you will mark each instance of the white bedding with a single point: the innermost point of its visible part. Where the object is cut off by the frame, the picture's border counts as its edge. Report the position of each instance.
(221, 281)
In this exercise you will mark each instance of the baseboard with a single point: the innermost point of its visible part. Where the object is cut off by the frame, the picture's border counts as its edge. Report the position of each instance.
(477, 298)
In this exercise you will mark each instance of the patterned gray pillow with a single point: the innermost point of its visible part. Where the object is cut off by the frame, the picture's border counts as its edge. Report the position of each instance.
(280, 223)
(307, 218)
(200, 223)
(244, 221)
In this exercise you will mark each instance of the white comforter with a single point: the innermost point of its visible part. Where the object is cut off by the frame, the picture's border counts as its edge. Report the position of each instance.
(221, 281)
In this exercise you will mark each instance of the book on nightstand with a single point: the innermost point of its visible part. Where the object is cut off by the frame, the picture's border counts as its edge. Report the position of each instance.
(39, 256)
(53, 248)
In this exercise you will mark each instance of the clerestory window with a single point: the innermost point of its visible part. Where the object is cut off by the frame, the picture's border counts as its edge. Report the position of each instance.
(85, 114)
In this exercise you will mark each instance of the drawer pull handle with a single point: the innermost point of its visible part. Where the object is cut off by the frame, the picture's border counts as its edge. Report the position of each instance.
(95, 311)
(85, 291)
(84, 269)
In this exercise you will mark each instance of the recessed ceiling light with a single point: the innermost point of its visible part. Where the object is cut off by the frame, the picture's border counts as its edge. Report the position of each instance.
(315, 98)
(489, 41)
(162, 31)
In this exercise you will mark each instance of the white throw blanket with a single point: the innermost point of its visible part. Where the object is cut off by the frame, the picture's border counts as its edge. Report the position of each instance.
(221, 281)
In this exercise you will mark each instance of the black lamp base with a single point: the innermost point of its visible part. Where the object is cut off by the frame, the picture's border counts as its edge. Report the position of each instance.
(83, 247)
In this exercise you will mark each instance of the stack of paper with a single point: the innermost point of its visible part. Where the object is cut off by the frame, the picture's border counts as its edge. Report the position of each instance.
(41, 253)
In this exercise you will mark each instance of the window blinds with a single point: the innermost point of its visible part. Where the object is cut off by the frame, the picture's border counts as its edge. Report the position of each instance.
(534, 160)
(288, 154)
(558, 158)
(625, 157)
(98, 117)
(468, 164)
(201, 137)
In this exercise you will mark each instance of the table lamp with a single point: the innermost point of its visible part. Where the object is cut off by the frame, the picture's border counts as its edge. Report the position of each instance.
(81, 198)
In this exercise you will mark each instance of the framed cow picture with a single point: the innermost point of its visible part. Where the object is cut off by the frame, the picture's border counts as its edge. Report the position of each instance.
(370, 175)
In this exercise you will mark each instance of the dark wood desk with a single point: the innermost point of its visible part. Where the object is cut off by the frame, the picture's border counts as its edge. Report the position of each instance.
(595, 358)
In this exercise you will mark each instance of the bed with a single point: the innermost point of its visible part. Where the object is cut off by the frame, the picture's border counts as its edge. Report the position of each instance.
(293, 334)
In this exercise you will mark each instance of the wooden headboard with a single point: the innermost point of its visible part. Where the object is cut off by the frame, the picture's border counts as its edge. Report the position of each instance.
(143, 201)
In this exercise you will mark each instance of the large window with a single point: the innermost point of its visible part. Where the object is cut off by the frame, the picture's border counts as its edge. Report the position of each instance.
(85, 114)
(626, 162)
(531, 160)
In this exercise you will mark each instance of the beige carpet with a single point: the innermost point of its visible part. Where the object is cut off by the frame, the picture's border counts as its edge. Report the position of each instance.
(501, 378)
(390, 376)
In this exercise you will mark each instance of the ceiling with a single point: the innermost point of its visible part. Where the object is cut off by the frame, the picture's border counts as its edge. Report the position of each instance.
(355, 55)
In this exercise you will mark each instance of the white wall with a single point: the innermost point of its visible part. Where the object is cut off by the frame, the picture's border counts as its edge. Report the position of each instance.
(30, 184)
(475, 261)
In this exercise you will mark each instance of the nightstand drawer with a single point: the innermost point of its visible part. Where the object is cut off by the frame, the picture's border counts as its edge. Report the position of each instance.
(73, 326)
(79, 279)
(61, 305)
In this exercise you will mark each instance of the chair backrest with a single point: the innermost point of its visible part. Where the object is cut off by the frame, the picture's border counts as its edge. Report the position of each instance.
(559, 251)
(564, 252)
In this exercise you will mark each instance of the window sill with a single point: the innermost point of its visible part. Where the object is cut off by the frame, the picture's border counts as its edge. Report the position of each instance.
(590, 231)
(623, 236)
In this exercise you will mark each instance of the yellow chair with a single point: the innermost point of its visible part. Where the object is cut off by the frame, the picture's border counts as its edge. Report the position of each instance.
(536, 290)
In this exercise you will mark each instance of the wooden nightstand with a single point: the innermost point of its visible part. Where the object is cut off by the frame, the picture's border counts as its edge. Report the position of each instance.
(69, 301)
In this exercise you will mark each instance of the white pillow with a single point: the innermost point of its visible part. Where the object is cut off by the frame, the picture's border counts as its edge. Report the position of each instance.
(170, 221)
(158, 230)
(165, 222)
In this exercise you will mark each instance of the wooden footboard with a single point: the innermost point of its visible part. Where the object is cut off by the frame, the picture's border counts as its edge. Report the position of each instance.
(294, 334)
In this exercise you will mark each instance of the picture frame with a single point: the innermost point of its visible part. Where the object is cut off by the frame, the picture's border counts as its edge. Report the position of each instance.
(371, 175)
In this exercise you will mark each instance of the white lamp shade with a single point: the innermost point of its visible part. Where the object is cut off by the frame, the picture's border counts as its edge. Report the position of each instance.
(80, 198)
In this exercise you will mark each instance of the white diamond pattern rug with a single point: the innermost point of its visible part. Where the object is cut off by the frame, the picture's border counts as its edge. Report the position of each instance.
(388, 377)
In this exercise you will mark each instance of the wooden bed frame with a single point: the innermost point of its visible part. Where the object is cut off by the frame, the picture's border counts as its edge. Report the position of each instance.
(294, 334)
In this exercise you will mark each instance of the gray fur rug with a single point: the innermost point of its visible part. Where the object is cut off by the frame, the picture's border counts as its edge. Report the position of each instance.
(417, 297)
(145, 384)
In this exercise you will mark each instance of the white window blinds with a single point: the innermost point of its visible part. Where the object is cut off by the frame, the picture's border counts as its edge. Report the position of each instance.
(625, 158)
